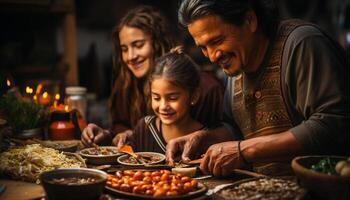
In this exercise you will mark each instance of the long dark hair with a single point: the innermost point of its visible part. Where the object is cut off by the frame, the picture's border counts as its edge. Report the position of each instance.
(126, 88)
(231, 11)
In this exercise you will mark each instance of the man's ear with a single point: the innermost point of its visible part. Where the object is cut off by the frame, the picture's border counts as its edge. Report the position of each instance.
(195, 96)
(251, 20)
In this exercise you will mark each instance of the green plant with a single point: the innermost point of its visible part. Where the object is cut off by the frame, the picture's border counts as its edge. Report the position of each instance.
(22, 114)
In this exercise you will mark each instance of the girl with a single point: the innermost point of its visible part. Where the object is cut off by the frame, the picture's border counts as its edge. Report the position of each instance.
(174, 83)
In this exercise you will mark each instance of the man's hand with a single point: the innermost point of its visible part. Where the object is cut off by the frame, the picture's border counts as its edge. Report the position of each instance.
(92, 134)
(185, 147)
(122, 138)
(220, 159)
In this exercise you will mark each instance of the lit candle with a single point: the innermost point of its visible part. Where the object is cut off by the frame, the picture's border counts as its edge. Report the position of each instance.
(44, 99)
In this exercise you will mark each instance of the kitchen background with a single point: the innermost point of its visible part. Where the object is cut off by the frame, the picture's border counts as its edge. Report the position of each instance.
(59, 43)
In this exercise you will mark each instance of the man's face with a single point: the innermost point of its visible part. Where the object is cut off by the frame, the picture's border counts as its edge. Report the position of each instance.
(225, 44)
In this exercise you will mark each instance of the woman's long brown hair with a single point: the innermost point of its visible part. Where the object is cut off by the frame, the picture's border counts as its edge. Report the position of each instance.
(126, 88)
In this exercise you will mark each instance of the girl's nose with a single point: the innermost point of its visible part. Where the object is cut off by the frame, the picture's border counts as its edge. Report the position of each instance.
(164, 105)
(132, 55)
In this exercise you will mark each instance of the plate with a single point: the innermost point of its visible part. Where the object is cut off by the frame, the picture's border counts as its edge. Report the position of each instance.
(104, 155)
(295, 191)
(202, 189)
(160, 158)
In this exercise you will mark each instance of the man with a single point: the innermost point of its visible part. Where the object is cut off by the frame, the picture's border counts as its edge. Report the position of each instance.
(286, 93)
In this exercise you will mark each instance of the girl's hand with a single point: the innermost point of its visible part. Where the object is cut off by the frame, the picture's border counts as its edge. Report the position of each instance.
(122, 138)
(93, 134)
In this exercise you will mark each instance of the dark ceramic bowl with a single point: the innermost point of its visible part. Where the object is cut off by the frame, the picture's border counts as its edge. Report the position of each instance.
(83, 190)
(321, 185)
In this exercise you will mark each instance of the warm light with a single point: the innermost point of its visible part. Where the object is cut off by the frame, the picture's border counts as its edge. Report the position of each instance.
(8, 82)
(29, 90)
(38, 88)
(45, 95)
(66, 108)
(35, 97)
(57, 96)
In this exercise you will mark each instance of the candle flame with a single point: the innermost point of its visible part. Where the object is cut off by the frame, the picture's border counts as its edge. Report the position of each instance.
(29, 90)
(66, 108)
(45, 95)
(57, 96)
(35, 97)
(8, 82)
(38, 88)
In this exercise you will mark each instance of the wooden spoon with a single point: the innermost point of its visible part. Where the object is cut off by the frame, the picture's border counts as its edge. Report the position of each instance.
(129, 150)
(236, 171)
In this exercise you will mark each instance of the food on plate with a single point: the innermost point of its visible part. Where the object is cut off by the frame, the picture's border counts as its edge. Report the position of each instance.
(331, 166)
(143, 158)
(186, 171)
(101, 151)
(28, 162)
(162, 183)
(73, 180)
(263, 188)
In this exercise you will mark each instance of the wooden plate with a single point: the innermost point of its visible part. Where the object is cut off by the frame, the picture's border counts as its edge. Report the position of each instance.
(202, 189)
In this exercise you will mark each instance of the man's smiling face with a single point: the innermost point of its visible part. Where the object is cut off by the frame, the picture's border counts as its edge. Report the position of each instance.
(225, 44)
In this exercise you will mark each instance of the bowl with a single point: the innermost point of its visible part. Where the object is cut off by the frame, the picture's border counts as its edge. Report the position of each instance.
(102, 155)
(73, 184)
(156, 159)
(321, 185)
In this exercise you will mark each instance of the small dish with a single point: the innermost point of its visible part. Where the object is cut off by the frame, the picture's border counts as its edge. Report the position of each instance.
(150, 158)
(102, 155)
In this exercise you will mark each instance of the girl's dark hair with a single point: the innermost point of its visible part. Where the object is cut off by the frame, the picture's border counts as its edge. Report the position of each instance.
(126, 88)
(231, 11)
(178, 68)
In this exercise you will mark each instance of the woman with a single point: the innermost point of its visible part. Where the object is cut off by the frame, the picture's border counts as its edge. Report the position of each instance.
(142, 36)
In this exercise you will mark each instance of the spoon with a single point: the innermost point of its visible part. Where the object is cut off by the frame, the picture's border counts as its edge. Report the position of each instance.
(128, 150)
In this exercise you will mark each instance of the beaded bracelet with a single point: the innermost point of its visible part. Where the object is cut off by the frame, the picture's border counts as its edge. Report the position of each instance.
(241, 154)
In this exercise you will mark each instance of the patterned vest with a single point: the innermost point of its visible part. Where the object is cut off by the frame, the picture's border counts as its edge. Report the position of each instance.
(258, 105)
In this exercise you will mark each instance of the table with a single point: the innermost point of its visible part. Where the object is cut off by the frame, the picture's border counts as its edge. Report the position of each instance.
(20, 190)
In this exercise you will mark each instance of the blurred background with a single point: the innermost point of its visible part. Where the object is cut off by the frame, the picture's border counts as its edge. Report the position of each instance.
(60, 43)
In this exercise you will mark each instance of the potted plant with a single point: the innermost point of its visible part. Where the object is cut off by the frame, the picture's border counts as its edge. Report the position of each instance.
(25, 117)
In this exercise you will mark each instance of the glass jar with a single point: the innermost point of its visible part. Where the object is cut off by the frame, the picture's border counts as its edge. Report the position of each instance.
(76, 99)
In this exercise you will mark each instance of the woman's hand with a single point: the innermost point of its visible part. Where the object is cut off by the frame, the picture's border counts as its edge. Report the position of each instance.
(122, 138)
(93, 134)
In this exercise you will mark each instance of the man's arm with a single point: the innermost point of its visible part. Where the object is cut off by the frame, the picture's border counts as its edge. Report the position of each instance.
(316, 80)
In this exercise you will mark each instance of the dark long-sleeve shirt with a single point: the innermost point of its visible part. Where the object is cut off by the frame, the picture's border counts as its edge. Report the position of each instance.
(314, 86)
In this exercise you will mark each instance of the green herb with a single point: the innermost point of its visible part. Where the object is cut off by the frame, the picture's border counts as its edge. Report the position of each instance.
(326, 166)
(22, 114)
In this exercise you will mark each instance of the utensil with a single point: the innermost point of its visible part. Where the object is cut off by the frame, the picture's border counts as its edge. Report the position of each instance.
(236, 171)
(129, 150)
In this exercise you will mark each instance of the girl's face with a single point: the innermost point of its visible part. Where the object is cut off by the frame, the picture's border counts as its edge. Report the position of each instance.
(169, 102)
(137, 51)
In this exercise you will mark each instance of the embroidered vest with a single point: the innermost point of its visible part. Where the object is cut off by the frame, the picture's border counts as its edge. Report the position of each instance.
(258, 105)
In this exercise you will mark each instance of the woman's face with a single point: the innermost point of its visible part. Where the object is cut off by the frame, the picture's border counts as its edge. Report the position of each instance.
(169, 102)
(137, 51)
